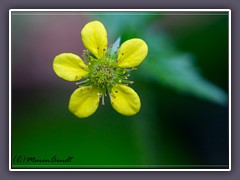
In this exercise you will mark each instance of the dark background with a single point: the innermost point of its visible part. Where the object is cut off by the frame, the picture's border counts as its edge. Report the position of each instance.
(169, 4)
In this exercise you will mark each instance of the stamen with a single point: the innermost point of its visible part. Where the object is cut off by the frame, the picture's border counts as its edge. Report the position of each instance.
(82, 82)
(89, 87)
(121, 56)
(112, 95)
(113, 89)
(87, 52)
(103, 103)
(98, 51)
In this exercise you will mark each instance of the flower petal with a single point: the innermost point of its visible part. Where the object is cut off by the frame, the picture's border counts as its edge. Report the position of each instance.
(125, 100)
(94, 37)
(132, 53)
(69, 67)
(84, 101)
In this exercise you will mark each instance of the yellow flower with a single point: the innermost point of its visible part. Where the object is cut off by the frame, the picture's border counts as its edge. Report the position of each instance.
(101, 72)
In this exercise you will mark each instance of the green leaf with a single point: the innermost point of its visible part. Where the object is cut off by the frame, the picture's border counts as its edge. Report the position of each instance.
(177, 70)
(180, 74)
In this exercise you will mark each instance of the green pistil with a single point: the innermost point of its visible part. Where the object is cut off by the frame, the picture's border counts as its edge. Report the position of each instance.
(102, 75)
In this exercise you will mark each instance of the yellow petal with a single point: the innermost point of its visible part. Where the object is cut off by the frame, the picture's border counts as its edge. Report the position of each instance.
(132, 53)
(84, 101)
(69, 67)
(94, 37)
(125, 100)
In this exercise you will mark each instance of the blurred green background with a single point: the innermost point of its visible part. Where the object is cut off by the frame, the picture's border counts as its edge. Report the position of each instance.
(183, 86)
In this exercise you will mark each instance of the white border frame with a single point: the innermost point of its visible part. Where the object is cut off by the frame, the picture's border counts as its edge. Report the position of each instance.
(118, 10)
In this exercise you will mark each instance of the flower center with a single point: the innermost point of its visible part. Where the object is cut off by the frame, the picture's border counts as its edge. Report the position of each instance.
(103, 75)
